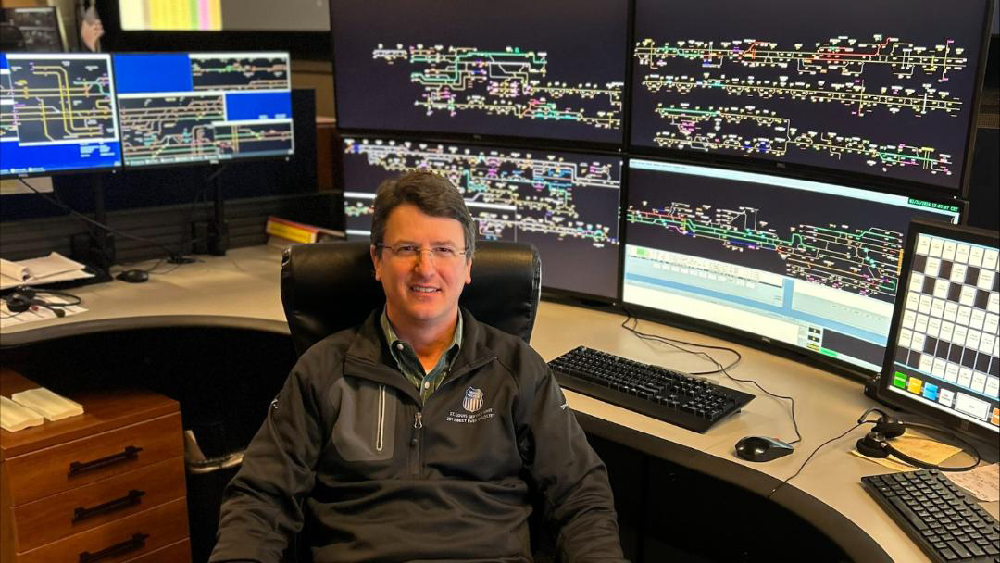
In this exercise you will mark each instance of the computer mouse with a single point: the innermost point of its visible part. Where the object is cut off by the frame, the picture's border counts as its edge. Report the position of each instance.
(133, 276)
(762, 448)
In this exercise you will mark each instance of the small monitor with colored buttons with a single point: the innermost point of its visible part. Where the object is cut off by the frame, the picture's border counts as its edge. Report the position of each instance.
(945, 362)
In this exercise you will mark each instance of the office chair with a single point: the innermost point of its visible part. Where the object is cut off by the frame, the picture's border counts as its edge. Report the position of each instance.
(329, 287)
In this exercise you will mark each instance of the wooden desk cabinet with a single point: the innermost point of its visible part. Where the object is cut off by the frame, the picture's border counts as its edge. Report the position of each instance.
(103, 487)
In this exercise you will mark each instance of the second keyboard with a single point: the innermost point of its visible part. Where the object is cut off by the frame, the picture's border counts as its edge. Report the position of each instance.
(678, 398)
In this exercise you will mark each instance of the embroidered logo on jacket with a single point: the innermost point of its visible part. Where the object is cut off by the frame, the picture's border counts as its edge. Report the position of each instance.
(473, 400)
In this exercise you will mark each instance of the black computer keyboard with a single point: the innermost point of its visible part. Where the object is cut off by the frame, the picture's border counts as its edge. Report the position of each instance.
(947, 524)
(678, 398)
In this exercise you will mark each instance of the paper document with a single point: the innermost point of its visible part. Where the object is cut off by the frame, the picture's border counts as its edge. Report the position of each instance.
(915, 446)
(982, 482)
(36, 271)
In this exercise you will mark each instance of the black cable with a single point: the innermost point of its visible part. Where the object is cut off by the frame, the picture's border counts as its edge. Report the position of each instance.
(799, 470)
(677, 344)
(173, 256)
(720, 368)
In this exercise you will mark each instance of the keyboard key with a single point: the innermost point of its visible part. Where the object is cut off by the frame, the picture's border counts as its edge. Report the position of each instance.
(959, 549)
(948, 554)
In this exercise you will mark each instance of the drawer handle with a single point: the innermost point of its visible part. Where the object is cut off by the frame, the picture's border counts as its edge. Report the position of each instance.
(133, 498)
(130, 452)
(137, 541)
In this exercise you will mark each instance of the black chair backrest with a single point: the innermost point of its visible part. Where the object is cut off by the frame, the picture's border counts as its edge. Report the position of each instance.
(329, 287)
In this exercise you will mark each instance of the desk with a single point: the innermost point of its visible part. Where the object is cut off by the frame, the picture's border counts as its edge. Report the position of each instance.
(240, 290)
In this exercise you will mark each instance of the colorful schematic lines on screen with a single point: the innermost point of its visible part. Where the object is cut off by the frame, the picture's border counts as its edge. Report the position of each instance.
(170, 15)
(947, 349)
(512, 82)
(58, 113)
(859, 260)
(204, 107)
(566, 204)
(512, 191)
(884, 90)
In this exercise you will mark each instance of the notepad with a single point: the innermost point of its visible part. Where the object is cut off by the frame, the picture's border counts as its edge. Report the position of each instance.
(14, 417)
(47, 403)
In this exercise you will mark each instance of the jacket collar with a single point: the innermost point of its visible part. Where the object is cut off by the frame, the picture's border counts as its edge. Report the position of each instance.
(369, 356)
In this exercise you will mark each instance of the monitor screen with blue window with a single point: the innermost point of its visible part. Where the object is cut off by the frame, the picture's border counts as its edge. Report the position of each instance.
(204, 107)
(802, 264)
(57, 114)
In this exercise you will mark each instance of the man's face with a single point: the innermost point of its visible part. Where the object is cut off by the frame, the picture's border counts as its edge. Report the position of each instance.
(421, 289)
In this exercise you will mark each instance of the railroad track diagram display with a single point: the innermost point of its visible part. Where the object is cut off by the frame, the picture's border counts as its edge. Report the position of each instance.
(843, 242)
(206, 107)
(60, 100)
(553, 70)
(511, 82)
(239, 72)
(566, 204)
(813, 90)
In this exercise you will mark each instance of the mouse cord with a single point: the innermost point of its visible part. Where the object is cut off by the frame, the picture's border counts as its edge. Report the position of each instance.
(174, 256)
(719, 367)
(801, 467)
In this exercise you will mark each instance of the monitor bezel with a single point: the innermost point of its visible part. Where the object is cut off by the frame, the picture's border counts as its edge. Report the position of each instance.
(547, 291)
(884, 394)
(208, 163)
(64, 171)
(621, 146)
(730, 333)
(838, 175)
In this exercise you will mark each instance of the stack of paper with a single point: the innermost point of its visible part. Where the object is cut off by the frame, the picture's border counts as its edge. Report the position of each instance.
(35, 271)
(47, 403)
(14, 417)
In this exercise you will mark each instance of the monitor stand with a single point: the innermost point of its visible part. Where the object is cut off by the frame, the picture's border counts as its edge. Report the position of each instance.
(218, 228)
(96, 250)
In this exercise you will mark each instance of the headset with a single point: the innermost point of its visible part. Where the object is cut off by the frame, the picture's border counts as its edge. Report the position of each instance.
(876, 442)
(24, 298)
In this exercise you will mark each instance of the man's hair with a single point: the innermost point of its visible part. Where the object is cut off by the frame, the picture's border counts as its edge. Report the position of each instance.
(432, 194)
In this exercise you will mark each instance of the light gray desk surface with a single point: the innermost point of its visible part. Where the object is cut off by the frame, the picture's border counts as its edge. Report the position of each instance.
(240, 290)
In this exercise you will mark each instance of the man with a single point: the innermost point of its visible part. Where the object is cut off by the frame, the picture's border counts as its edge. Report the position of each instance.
(414, 436)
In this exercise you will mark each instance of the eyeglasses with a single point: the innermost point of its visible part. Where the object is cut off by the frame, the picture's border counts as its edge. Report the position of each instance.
(441, 251)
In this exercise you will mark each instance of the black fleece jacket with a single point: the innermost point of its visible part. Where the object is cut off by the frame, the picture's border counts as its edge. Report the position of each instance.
(382, 476)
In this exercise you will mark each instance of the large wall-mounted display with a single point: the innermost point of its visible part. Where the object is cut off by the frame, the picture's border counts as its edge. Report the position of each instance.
(885, 88)
(551, 70)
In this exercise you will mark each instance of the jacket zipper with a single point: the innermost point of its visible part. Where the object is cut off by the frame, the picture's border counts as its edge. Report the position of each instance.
(415, 461)
(381, 417)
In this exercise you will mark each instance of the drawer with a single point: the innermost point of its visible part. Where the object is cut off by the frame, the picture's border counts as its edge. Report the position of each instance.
(179, 552)
(67, 466)
(121, 540)
(77, 510)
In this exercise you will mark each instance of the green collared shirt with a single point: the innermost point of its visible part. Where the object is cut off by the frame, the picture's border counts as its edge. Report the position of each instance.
(408, 362)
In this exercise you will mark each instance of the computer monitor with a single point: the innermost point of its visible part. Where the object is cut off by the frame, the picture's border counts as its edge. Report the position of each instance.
(39, 27)
(874, 91)
(57, 114)
(809, 266)
(566, 204)
(553, 70)
(181, 108)
(944, 361)
(224, 15)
